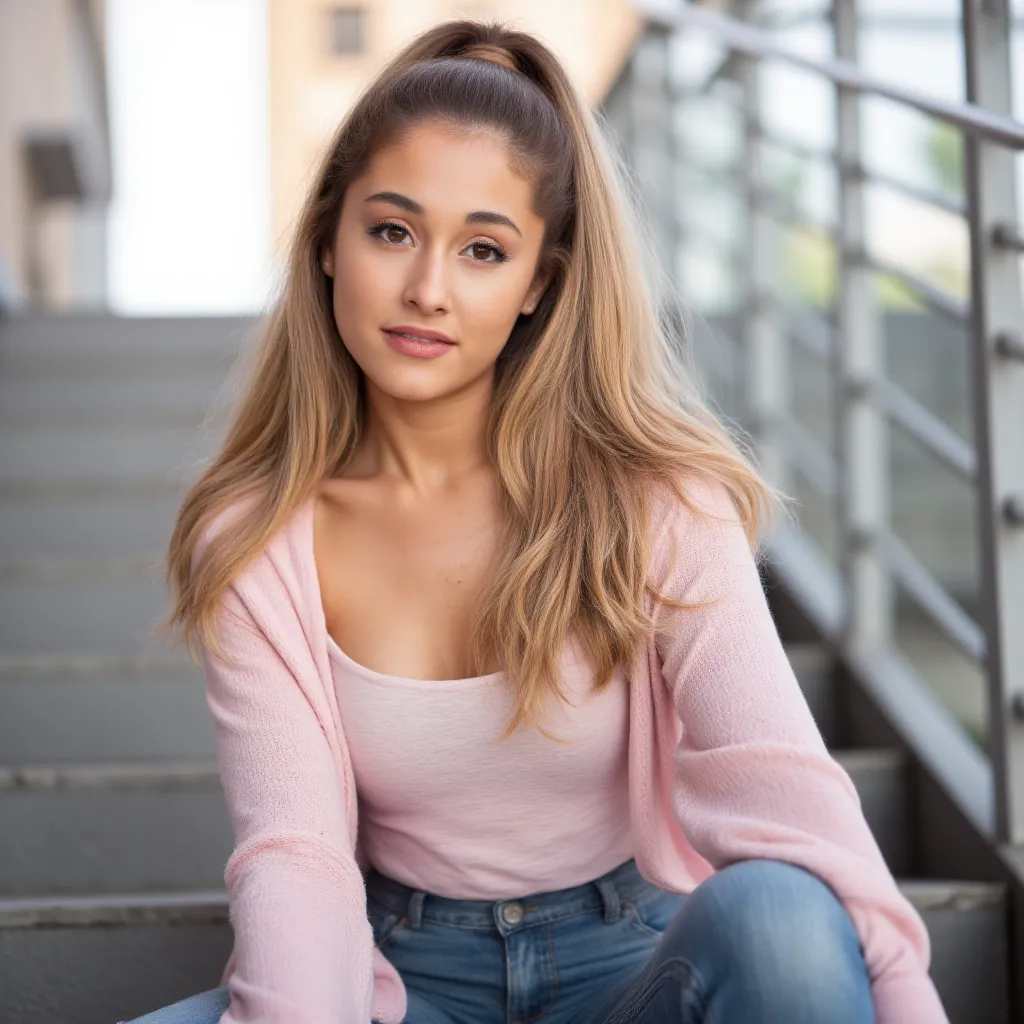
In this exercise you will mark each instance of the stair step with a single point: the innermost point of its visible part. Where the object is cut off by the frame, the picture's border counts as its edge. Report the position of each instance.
(90, 615)
(36, 454)
(880, 776)
(101, 714)
(94, 523)
(968, 924)
(812, 665)
(112, 828)
(96, 960)
(118, 827)
(129, 962)
(120, 344)
(48, 399)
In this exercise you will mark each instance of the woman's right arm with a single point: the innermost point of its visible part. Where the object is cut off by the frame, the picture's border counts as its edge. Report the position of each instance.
(303, 944)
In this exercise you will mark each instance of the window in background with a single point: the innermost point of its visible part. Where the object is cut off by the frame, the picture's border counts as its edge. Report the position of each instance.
(190, 219)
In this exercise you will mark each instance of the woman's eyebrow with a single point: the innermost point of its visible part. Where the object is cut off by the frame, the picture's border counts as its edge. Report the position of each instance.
(410, 205)
(489, 217)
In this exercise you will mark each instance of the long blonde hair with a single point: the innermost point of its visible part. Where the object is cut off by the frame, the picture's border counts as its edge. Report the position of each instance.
(592, 400)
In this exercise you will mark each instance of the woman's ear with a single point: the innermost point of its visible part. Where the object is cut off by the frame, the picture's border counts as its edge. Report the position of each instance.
(327, 262)
(540, 282)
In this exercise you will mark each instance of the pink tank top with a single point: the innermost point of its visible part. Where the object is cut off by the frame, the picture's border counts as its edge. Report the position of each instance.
(563, 818)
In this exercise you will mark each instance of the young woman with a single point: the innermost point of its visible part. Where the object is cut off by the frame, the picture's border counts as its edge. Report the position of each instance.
(473, 570)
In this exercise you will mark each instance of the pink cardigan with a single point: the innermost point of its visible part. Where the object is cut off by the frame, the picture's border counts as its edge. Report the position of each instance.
(725, 764)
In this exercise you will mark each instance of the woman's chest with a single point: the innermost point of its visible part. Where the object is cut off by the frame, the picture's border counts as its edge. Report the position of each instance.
(399, 585)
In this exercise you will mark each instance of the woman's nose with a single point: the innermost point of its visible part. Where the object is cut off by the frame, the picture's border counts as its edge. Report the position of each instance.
(428, 286)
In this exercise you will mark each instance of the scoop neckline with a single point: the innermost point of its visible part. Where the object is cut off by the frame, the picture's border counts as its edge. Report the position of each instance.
(374, 675)
(335, 649)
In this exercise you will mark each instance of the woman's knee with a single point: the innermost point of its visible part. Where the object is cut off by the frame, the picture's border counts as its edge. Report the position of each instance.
(772, 922)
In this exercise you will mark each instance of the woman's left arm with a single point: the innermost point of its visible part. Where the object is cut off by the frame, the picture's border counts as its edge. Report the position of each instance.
(754, 778)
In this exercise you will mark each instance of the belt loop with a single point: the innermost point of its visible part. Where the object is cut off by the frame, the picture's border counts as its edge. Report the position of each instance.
(612, 906)
(415, 910)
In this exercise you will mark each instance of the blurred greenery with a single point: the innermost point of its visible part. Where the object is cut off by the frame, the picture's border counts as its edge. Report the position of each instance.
(943, 152)
(810, 271)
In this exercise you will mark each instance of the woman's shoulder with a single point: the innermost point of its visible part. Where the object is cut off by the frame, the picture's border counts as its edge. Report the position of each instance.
(690, 501)
(697, 530)
(284, 551)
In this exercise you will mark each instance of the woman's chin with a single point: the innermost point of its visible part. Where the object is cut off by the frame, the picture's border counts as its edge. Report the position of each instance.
(413, 387)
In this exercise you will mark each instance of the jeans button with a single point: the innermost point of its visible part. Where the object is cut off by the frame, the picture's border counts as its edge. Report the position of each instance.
(512, 913)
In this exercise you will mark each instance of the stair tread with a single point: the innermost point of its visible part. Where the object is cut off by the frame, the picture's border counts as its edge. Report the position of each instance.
(109, 775)
(114, 908)
(198, 904)
(869, 757)
(91, 663)
(965, 894)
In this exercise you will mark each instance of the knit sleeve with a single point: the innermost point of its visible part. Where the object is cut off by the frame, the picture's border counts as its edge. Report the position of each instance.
(754, 778)
(303, 945)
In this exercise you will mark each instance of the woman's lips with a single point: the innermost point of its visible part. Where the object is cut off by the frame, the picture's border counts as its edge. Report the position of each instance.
(421, 347)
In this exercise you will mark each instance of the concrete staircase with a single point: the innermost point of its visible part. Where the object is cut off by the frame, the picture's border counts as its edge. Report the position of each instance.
(113, 832)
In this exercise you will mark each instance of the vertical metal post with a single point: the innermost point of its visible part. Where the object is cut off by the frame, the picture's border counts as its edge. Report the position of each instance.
(660, 185)
(647, 142)
(998, 377)
(632, 109)
(863, 432)
(672, 203)
(671, 211)
(765, 341)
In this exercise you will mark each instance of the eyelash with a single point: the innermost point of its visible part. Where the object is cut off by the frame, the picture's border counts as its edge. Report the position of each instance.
(500, 254)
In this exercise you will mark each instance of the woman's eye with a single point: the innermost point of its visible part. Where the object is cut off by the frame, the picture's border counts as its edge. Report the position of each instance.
(394, 234)
(484, 253)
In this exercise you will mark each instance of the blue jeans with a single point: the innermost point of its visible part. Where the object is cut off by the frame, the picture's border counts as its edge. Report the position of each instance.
(758, 941)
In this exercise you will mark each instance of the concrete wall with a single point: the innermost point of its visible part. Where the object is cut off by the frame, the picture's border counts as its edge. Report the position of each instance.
(47, 86)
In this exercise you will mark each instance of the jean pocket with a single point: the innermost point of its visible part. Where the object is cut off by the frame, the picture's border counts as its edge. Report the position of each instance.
(653, 914)
(385, 923)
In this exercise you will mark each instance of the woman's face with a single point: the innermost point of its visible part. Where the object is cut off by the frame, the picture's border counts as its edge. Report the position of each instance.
(437, 236)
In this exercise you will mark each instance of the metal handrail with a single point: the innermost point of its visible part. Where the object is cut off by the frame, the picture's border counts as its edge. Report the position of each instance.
(755, 42)
(826, 155)
(814, 332)
(933, 298)
(817, 464)
(851, 599)
(1007, 237)
(924, 426)
(906, 188)
(928, 593)
(789, 213)
(819, 154)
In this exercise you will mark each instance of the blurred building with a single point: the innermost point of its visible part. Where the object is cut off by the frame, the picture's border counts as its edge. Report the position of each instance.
(55, 178)
(55, 162)
(321, 55)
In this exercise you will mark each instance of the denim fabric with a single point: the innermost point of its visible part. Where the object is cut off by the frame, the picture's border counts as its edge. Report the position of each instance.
(758, 941)
(205, 1008)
